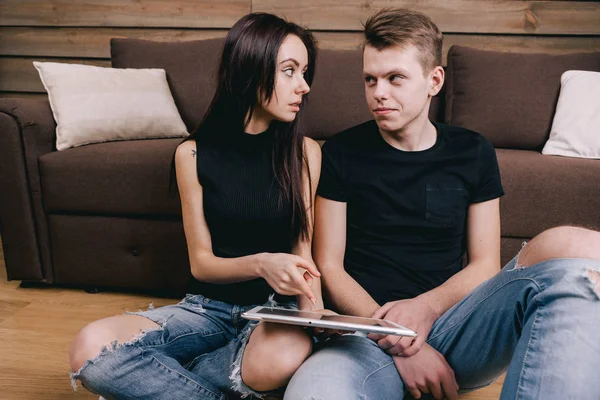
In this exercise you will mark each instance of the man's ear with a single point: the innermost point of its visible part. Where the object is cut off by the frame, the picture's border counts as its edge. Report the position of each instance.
(436, 80)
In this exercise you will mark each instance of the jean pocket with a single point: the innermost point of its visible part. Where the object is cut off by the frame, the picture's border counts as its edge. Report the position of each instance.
(446, 204)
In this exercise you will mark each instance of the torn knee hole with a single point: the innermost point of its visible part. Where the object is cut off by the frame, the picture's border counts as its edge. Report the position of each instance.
(595, 278)
(521, 258)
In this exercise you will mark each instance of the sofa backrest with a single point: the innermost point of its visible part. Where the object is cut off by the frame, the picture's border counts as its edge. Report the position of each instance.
(191, 68)
(510, 98)
(336, 101)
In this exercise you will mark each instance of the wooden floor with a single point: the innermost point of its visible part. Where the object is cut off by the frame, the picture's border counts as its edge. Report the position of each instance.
(37, 325)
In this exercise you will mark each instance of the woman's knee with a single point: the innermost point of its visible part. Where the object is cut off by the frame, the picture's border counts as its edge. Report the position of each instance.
(274, 352)
(561, 242)
(87, 345)
(90, 340)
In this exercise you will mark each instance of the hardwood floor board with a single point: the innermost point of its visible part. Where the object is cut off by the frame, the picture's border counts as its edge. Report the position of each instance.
(34, 365)
(42, 350)
(9, 307)
(79, 298)
(59, 319)
(33, 384)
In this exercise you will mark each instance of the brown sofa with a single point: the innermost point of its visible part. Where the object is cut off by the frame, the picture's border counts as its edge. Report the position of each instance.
(100, 215)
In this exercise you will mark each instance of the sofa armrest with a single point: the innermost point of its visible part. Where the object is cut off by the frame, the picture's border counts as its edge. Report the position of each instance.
(27, 131)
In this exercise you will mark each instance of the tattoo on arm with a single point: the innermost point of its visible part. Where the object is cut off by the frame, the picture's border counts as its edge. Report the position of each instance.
(194, 153)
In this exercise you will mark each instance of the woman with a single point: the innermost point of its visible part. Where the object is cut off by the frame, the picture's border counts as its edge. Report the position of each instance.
(247, 181)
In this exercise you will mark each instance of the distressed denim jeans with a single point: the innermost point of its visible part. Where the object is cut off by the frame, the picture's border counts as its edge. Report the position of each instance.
(540, 324)
(195, 353)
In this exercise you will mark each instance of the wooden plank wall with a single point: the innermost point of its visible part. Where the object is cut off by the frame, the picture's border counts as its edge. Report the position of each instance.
(78, 31)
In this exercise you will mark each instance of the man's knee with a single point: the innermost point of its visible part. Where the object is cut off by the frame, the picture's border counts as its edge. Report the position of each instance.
(274, 352)
(310, 383)
(348, 367)
(561, 242)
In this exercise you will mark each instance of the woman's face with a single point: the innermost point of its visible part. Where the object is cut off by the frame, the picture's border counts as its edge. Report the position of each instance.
(290, 86)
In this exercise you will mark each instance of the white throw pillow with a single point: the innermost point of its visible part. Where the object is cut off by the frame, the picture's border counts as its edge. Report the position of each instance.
(576, 126)
(95, 104)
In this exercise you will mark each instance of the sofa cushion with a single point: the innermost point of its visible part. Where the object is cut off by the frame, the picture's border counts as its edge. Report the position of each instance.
(117, 178)
(335, 104)
(144, 253)
(576, 125)
(95, 104)
(191, 69)
(510, 98)
(542, 192)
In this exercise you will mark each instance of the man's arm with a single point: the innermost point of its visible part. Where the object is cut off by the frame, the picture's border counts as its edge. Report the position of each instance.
(329, 247)
(303, 247)
(483, 250)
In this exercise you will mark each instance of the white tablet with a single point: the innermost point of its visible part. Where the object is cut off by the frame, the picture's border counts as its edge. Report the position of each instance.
(318, 320)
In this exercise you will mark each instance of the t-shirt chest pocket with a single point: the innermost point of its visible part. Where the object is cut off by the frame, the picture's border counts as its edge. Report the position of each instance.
(446, 204)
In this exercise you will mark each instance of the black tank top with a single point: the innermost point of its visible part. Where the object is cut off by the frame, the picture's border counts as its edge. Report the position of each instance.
(242, 208)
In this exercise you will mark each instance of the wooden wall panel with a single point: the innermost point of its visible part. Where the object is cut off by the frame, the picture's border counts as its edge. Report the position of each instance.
(124, 13)
(510, 43)
(85, 42)
(80, 31)
(483, 16)
(18, 74)
(95, 42)
(524, 44)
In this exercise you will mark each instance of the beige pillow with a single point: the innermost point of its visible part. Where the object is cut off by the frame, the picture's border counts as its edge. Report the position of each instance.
(94, 104)
(576, 126)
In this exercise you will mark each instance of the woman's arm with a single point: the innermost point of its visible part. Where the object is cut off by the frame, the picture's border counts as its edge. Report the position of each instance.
(303, 247)
(284, 272)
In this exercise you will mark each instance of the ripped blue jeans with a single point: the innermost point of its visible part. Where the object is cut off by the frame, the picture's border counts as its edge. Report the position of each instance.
(195, 353)
(540, 324)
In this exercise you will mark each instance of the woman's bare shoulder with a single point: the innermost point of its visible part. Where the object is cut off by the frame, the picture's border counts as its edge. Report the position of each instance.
(312, 148)
(185, 151)
(185, 156)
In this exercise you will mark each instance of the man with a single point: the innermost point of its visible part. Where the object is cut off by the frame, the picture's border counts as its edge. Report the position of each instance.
(399, 202)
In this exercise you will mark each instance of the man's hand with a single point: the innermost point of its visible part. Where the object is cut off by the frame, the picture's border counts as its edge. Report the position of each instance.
(415, 314)
(427, 372)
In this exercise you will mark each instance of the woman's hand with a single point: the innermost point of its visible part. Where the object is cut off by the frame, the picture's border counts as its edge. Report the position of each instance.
(288, 274)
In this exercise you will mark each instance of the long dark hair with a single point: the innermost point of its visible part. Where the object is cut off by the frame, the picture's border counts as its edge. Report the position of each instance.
(247, 71)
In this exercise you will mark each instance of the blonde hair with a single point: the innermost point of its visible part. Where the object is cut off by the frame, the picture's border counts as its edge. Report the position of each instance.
(402, 27)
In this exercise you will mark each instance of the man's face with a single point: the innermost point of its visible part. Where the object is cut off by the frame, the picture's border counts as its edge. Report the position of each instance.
(396, 89)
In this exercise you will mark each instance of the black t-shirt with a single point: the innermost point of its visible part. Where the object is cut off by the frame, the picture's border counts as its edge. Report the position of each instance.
(406, 210)
(242, 209)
